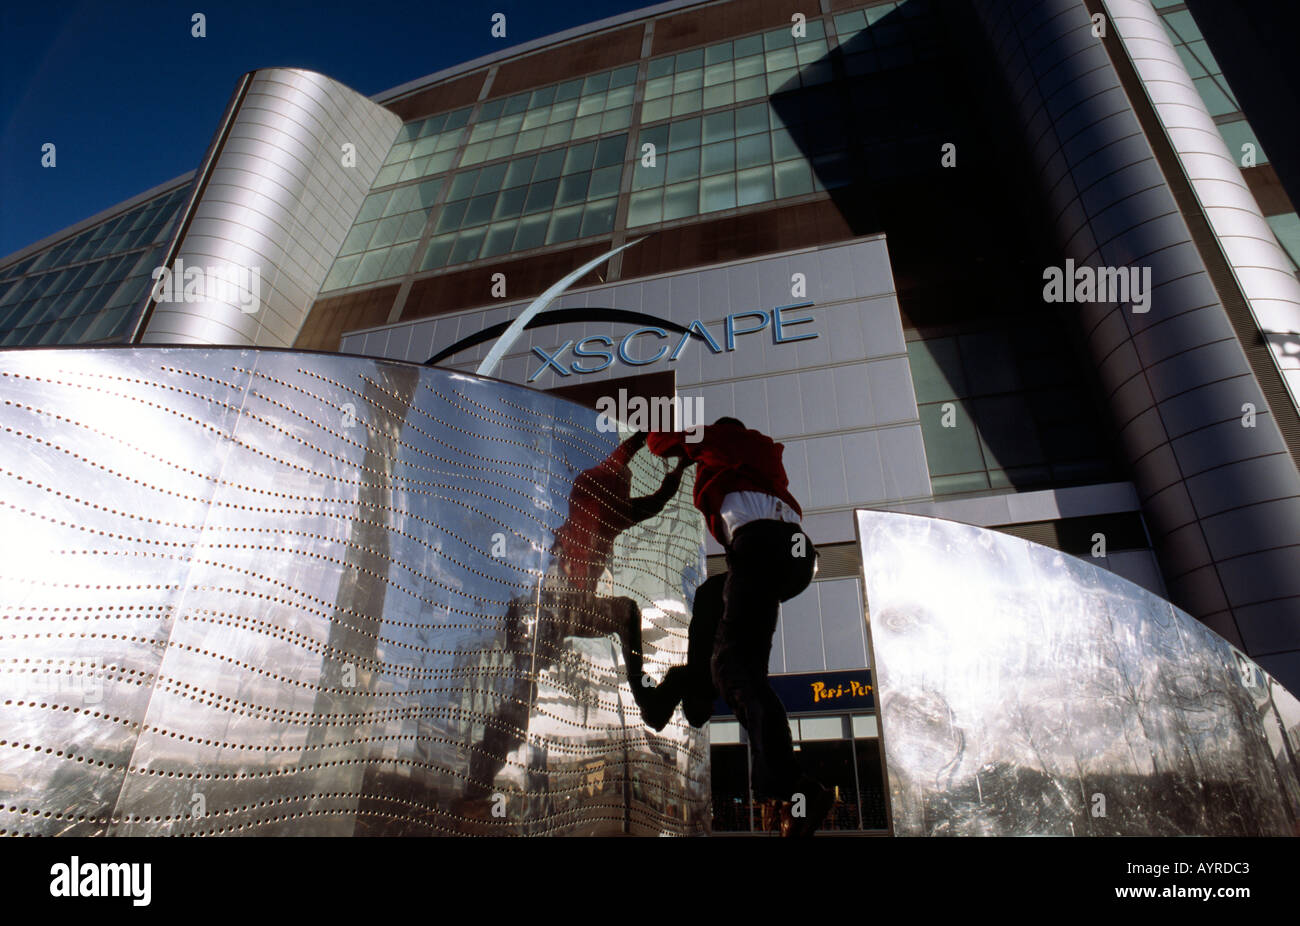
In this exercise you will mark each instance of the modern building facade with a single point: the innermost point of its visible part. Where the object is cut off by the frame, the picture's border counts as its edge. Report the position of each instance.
(842, 222)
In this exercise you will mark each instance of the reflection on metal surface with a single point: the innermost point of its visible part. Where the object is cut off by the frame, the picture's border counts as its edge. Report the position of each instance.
(1024, 691)
(266, 592)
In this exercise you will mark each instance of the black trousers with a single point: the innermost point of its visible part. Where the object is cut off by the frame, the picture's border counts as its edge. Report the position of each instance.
(767, 562)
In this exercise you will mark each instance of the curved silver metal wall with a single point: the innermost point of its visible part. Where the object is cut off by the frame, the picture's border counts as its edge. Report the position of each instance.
(1258, 263)
(268, 592)
(280, 198)
(1222, 501)
(1023, 691)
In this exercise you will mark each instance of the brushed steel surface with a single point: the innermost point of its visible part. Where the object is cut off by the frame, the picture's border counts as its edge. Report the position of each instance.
(1023, 691)
(267, 592)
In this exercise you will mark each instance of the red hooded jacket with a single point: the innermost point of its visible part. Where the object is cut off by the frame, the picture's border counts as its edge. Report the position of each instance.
(729, 458)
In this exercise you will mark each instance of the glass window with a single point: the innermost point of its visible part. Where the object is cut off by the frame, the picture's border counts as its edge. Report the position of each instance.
(462, 185)
(399, 260)
(510, 203)
(519, 172)
(565, 224)
(541, 196)
(598, 217)
(682, 165)
(644, 208)
(654, 110)
(660, 67)
(718, 193)
(491, 178)
(451, 216)
(579, 157)
(480, 209)
(754, 186)
(718, 158)
(499, 239)
(605, 181)
(684, 134)
(467, 245)
(573, 189)
(532, 232)
(548, 165)
(718, 126)
(753, 150)
(438, 253)
(681, 200)
(686, 103)
(688, 80)
(717, 53)
(793, 178)
(722, 95)
(690, 59)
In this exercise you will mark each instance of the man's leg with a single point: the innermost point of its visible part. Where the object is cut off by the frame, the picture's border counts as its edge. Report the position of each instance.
(742, 648)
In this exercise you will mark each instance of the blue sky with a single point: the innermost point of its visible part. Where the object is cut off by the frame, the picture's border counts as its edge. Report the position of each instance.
(131, 100)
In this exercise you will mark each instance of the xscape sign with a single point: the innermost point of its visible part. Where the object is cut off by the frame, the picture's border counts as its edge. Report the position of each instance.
(637, 348)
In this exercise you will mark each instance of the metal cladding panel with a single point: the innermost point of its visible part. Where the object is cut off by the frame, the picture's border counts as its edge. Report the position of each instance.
(278, 201)
(1115, 209)
(267, 592)
(1258, 261)
(1032, 693)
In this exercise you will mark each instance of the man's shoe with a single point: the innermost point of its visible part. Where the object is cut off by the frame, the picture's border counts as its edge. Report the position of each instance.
(816, 804)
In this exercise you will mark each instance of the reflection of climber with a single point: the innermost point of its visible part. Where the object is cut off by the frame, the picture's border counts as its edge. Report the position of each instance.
(742, 490)
(601, 507)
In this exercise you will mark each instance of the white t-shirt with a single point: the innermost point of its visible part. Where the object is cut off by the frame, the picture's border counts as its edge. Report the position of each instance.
(739, 508)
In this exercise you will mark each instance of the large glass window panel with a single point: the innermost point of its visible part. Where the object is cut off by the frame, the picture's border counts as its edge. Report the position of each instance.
(541, 196)
(474, 154)
(462, 185)
(654, 110)
(532, 231)
(1007, 432)
(684, 134)
(386, 232)
(690, 59)
(563, 111)
(448, 141)
(451, 216)
(398, 153)
(753, 66)
(399, 260)
(499, 239)
(644, 177)
(596, 83)
(686, 103)
(515, 105)
(937, 373)
(412, 169)
(715, 74)
(809, 50)
(510, 203)
(569, 90)
(467, 246)
(717, 53)
(751, 88)
(793, 178)
(718, 158)
(1216, 101)
(490, 110)
(371, 266)
(490, 179)
(479, 210)
(373, 207)
(605, 181)
(779, 59)
(688, 80)
(955, 449)
(542, 98)
(587, 126)
(783, 81)
(681, 200)
(623, 77)
(357, 238)
(753, 150)
(654, 89)
(754, 186)
(591, 104)
(718, 193)
(536, 118)
(723, 95)
(623, 96)
(644, 208)
(598, 218)
(566, 224)
(519, 172)
(557, 134)
(610, 151)
(530, 141)
(660, 67)
(573, 189)
(548, 165)
(439, 162)
(682, 165)
(482, 132)
(784, 147)
(412, 226)
(509, 125)
(438, 253)
(718, 126)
